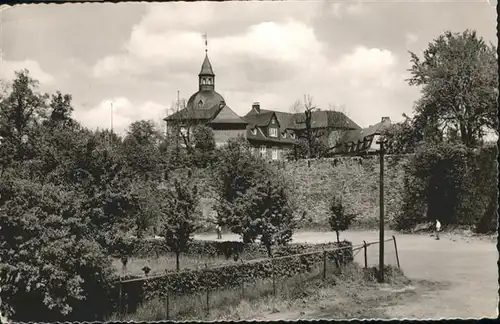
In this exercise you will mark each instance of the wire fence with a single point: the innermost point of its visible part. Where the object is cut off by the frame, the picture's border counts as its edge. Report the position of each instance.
(199, 305)
(367, 254)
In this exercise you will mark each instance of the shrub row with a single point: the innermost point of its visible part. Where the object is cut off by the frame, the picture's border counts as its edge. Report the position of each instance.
(228, 249)
(234, 275)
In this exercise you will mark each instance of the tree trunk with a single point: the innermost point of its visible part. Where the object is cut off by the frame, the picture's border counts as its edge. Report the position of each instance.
(338, 236)
(177, 263)
(269, 252)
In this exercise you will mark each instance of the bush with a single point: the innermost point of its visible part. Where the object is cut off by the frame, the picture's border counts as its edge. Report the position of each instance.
(193, 281)
(51, 268)
(229, 249)
(452, 183)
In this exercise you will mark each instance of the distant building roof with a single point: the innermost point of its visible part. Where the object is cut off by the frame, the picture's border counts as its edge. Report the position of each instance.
(227, 116)
(203, 104)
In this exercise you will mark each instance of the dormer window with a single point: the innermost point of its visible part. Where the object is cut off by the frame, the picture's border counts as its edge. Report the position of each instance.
(292, 135)
(254, 131)
(273, 132)
(200, 103)
(273, 121)
(283, 134)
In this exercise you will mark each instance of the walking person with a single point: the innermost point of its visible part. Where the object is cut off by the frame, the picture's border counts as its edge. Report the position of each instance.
(438, 228)
(219, 231)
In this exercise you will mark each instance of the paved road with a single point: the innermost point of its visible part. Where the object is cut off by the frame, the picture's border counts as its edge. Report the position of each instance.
(465, 268)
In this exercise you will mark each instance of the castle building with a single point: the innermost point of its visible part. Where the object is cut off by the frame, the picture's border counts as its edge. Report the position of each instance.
(270, 133)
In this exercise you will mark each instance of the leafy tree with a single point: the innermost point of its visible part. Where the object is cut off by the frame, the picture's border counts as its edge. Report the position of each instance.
(179, 216)
(459, 78)
(204, 138)
(21, 108)
(51, 268)
(254, 201)
(339, 219)
(141, 149)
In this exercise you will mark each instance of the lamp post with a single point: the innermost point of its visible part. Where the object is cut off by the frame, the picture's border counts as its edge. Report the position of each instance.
(381, 209)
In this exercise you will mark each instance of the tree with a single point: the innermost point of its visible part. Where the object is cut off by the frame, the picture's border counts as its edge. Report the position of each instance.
(21, 108)
(458, 75)
(51, 268)
(276, 212)
(309, 134)
(339, 219)
(179, 216)
(141, 149)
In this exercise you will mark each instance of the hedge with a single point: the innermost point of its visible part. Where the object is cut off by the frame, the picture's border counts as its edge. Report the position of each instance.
(228, 249)
(192, 281)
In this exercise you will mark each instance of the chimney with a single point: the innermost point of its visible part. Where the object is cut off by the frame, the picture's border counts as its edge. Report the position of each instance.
(386, 120)
(256, 107)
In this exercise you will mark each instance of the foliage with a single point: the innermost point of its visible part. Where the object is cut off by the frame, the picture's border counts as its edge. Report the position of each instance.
(452, 183)
(51, 267)
(191, 281)
(254, 198)
(339, 219)
(459, 78)
(179, 217)
(203, 138)
(141, 150)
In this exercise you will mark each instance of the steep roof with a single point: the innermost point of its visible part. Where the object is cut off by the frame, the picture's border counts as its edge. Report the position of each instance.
(227, 116)
(210, 105)
(206, 67)
(262, 119)
(324, 119)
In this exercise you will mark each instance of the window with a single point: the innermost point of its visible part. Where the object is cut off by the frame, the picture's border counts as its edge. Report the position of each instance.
(273, 121)
(254, 131)
(252, 150)
(263, 151)
(209, 80)
(283, 134)
(273, 132)
(200, 103)
(204, 81)
(292, 135)
(275, 153)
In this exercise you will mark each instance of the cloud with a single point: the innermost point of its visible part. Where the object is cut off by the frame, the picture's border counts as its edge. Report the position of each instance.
(124, 113)
(367, 67)
(8, 69)
(274, 61)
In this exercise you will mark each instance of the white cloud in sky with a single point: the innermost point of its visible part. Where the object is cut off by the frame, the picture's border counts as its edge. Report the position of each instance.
(267, 61)
(8, 69)
(124, 113)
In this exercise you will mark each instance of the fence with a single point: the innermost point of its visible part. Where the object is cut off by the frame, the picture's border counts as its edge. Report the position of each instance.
(367, 254)
(197, 292)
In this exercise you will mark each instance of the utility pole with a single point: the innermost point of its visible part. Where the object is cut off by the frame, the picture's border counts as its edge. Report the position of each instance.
(381, 202)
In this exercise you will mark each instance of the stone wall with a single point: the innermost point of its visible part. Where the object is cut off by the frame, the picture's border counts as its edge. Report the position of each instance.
(315, 185)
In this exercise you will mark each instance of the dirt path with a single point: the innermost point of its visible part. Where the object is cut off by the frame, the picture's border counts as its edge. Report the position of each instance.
(451, 277)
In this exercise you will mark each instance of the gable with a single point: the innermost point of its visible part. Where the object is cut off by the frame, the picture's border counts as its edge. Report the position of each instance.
(227, 115)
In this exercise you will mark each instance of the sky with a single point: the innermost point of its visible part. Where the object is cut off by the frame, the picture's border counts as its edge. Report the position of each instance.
(348, 55)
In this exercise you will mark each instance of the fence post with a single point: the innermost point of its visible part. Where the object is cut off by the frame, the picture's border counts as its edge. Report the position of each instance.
(208, 297)
(396, 248)
(242, 282)
(324, 264)
(168, 304)
(273, 275)
(120, 297)
(366, 255)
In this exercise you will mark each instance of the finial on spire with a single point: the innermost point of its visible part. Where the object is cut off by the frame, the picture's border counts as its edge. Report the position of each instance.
(206, 42)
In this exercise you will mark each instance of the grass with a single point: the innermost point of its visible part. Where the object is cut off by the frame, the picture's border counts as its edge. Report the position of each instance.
(339, 292)
(166, 262)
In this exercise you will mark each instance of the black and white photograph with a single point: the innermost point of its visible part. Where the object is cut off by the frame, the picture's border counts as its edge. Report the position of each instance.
(248, 161)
